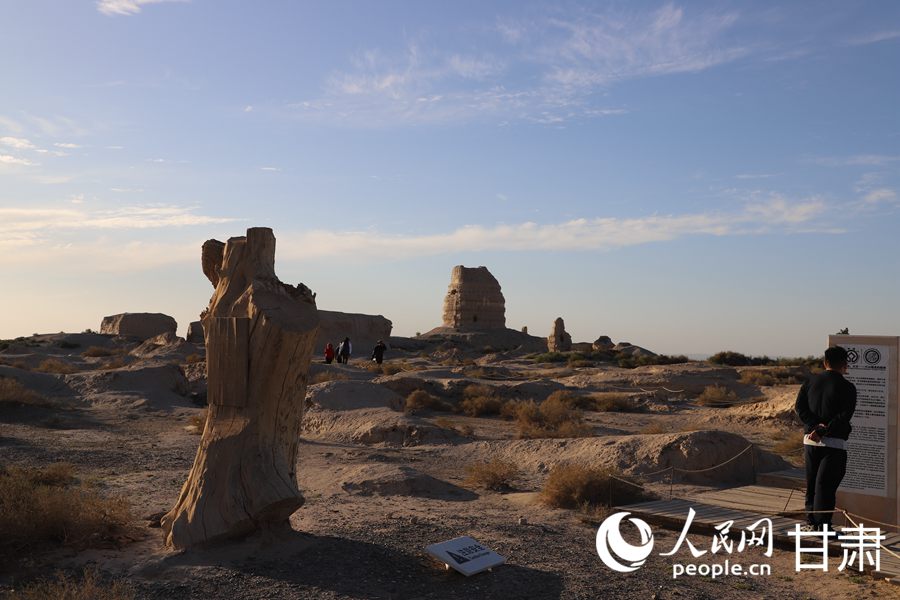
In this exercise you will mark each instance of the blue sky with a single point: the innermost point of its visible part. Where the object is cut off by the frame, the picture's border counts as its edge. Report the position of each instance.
(688, 177)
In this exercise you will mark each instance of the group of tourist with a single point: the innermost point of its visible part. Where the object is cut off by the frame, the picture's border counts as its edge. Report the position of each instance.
(345, 349)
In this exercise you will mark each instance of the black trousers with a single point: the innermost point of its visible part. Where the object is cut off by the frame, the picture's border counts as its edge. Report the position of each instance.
(825, 468)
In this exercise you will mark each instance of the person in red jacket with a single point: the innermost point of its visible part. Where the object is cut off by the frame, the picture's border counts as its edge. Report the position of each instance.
(329, 353)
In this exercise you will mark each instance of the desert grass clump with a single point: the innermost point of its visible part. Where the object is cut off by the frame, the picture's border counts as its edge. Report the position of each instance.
(323, 376)
(758, 378)
(422, 400)
(42, 506)
(552, 418)
(89, 587)
(13, 392)
(197, 422)
(614, 402)
(463, 429)
(114, 363)
(550, 357)
(97, 352)
(54, 365)
(577, 486)
(717, 396)
(790, 445)
(480, 399)
(496, 475)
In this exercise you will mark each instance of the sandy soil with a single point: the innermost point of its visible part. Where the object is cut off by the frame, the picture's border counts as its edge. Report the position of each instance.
(371, 507)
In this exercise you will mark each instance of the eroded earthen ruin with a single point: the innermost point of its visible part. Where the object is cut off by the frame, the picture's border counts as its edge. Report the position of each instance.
(259, 338)
(559, 340)
(474, 301)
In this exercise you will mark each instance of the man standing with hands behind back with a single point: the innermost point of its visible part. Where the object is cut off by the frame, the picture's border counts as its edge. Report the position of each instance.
(825, 404)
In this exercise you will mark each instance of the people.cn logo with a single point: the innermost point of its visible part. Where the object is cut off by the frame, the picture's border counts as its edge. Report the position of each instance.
(615, 552)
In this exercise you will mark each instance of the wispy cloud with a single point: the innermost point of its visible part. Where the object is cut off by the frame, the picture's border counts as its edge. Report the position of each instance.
(17, 143)
(68, 145)
(755, 176)
(776, 213)
(8, 159)
(554, 72)
(874, 37)
(38, 221)
(127, 7)
(864, 160)
(271, 169)
(880, 195)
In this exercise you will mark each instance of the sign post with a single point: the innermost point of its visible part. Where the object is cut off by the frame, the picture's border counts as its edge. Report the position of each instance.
(870, 487)
(465, 555)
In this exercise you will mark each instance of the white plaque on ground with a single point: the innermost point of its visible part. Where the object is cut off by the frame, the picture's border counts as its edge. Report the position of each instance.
(465, 555)
(867, 465)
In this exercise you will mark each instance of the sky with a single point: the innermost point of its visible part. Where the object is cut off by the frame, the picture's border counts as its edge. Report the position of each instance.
(689, 177)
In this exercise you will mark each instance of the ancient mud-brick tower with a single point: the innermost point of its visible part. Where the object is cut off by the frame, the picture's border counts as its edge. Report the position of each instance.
(559, 340)
(474, 301)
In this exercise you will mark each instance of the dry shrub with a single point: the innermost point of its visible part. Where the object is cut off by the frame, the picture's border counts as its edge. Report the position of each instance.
(62, 588)
(97, 351)
(323, 376)
(463, 429)
(422, 400)
(481, 405)
(14, 392)
(655, 428)
(760, 378)
(495, 475)
(571, 399)
(717, 395)
(54, 365)
(198, 422)
(576, 486)
(790, 445)
(551, 419)
(614, 402)
(48, 505)
(392, 368)
(115, 363)
(194, 358)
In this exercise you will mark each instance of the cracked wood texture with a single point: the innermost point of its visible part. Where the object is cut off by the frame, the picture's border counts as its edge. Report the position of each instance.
(259, 339)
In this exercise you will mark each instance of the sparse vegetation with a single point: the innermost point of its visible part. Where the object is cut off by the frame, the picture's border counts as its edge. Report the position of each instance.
(552, 418)
(331, 375)
(614, 402)
(463, 429)
(114, 363)
(55, 365)
(198, 422)
(632, 362)
(480, 399)
(774, 376)
(13, 392)
(550, 357)
(49, 505)
(422, 400)
(97, 351)
(655, 429)
(789, 445)
(194, 358)
(89, 587)
(717, 395)
(497, 475)
(736, 359)
(576, 486)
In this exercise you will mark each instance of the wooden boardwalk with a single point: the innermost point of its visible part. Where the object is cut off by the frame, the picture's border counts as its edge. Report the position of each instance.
(746, 505)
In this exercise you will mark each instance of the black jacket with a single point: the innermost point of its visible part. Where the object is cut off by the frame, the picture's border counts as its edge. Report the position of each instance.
(830, 399)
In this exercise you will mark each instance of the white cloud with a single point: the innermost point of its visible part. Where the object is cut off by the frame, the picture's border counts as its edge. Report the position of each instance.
(880, 195)
(67, 145)
(873, 38)
(248, 108)
(774, 214)
(274, 169)
(754, 176)
(17, 143)
(40, 221)
(558, 76)
(865, 160)
(127, 7)
(6, 159)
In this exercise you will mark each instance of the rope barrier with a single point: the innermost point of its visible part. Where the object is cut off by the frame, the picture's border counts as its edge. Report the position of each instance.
(880, 545)
(714, 467)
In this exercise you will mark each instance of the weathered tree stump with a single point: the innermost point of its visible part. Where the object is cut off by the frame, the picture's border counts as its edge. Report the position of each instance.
(259, 338)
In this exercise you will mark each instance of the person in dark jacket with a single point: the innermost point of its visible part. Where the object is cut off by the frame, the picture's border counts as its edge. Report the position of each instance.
(378, 352)
(825, 404)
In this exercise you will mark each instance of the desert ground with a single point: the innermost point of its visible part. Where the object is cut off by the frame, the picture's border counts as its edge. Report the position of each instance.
(392, 458)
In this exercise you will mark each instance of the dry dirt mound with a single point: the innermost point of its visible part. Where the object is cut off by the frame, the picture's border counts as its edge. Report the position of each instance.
(351, 395)
(165, 346)
(399, 480)
(45, 384)
(152, 386)
(373, 426)
(641, 454)
(689, 379)
(779, 406)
